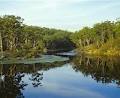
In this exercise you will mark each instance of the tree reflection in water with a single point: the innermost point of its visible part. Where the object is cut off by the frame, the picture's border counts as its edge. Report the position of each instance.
(11, 83)
(11, 86)
(36, 78)
(101, 69)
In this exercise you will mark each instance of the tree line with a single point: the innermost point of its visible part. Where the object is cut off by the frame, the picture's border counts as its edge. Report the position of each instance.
(18, 38)
(102, 37)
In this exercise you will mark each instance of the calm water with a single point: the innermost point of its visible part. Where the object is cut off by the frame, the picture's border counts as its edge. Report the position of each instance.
(60, 77)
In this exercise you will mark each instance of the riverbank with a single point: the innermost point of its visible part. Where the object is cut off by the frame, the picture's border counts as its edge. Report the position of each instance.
(109, 52)
(110, 48)
(100, 52)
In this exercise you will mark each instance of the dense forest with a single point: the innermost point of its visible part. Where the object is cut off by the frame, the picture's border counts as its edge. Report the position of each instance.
(101, 39)
(18, 39)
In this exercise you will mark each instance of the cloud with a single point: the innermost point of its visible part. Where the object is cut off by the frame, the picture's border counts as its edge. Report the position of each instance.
(64, 14)
(69, 91)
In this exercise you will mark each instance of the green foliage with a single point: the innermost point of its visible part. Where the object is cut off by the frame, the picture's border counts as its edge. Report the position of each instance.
(101, 38)
(18, 38)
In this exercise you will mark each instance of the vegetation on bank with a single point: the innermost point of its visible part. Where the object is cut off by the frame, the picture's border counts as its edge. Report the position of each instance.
(19, 40)
(101, 39)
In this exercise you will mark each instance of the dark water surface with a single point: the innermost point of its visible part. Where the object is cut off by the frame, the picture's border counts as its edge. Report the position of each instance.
(61, 77)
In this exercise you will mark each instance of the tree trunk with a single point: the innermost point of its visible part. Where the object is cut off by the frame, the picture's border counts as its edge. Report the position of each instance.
(1, 45)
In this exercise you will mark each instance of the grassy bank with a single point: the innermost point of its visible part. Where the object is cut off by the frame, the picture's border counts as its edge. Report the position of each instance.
(111, 48)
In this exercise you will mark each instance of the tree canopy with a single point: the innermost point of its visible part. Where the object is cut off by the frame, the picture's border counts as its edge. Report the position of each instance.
(17, 37)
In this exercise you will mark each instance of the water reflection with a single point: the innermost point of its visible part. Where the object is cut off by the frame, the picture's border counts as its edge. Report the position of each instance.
(101, 69)
(10, 86)
(11, 82)
(62, 81)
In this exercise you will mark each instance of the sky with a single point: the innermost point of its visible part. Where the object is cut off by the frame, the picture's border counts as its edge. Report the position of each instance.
(69, 15)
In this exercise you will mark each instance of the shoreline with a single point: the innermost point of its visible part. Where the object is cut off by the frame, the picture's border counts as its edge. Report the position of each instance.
(97, 52)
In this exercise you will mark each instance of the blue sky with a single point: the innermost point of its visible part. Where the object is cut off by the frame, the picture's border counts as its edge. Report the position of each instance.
(62, 14)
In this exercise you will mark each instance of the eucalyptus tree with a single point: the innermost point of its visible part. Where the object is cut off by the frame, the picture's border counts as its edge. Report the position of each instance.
(11, 28)
(105, 30)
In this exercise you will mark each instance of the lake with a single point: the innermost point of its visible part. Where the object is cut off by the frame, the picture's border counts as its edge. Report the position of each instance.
(60, 76)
